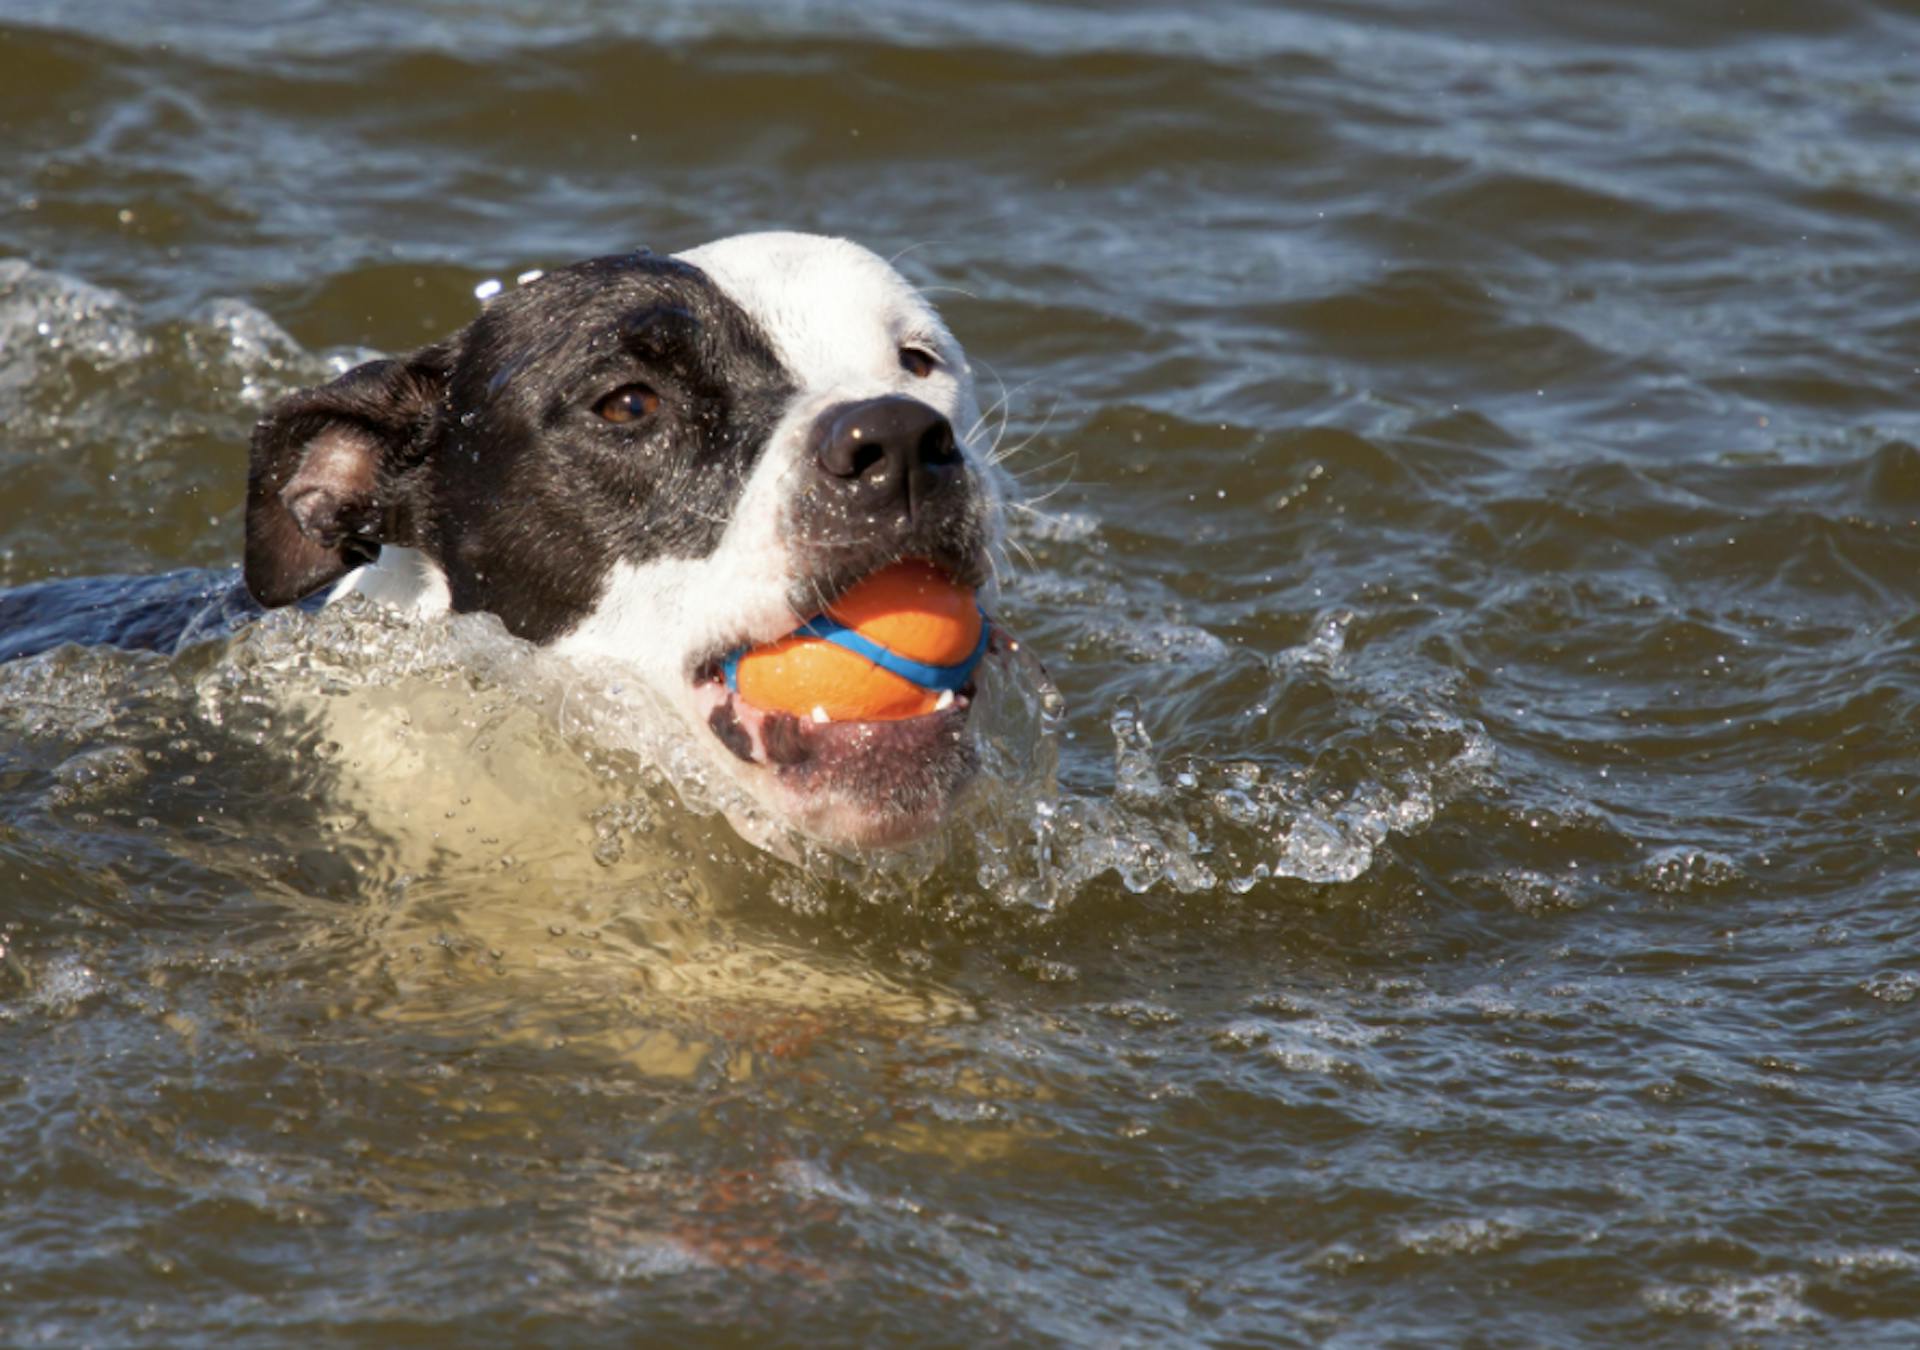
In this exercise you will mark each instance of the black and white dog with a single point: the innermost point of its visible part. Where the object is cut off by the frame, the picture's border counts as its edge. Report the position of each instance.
(656, 460)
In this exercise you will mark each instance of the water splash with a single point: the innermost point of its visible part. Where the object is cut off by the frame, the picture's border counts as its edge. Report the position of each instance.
(48, 320)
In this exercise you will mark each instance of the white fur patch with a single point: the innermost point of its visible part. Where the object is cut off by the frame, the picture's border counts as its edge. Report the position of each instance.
(838, 315)
(402, 578)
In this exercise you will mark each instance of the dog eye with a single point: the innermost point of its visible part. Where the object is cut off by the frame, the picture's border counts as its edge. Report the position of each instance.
(628, 404)
(918, 363)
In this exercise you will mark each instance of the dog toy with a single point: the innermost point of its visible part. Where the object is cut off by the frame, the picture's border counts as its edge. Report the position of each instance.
(901, 643)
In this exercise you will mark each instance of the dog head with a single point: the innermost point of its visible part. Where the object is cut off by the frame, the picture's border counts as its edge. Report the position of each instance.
(657, 460)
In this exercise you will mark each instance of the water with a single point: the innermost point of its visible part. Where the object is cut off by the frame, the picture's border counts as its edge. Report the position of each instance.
(1466, 900)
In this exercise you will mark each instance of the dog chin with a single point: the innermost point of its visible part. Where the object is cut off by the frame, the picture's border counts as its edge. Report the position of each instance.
(856, 785)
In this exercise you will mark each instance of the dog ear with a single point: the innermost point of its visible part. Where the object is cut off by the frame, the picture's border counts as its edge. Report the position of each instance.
(334, 473)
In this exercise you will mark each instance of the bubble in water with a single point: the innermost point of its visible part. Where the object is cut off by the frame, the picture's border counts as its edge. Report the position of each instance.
(1688, 871)
(1893, 986)
(1136, 777)
(63, 984)
(95, 774)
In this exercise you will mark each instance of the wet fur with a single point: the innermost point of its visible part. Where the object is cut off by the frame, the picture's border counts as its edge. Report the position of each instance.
(476, 475)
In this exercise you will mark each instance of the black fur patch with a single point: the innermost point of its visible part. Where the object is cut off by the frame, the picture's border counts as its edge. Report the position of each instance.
(726, 725)
(785, 742)
(514, 483)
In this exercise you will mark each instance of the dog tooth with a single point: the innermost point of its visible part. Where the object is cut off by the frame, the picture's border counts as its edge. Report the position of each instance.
(944, 702)
(820, 714)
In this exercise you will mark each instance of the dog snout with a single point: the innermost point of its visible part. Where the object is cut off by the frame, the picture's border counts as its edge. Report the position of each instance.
(886, 452)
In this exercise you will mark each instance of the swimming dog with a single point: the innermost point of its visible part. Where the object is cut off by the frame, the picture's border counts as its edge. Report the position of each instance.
(655, 460)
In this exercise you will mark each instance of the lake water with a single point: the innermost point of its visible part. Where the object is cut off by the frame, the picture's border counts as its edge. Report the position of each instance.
(1468, 900)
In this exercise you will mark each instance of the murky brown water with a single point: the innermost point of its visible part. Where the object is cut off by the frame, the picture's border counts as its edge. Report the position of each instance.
(1479, 531)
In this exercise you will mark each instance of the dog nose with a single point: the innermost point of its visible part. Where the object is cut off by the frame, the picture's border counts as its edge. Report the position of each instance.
(886, 450)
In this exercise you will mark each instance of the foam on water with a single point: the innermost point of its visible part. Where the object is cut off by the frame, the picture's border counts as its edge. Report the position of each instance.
(297, 685)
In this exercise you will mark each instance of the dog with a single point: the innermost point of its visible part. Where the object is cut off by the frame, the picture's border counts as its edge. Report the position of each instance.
(652, 461)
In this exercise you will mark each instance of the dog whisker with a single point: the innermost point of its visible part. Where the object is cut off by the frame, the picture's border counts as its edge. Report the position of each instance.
(1014, 546)
(951, 290)
(994, 452)
(894, 258)
(1058, 488)
(1067, 457)
(1002, 404)
(1001, 456)
(997, 403)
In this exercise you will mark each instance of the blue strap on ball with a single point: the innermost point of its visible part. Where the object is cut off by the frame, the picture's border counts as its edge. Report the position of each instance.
(953, 677)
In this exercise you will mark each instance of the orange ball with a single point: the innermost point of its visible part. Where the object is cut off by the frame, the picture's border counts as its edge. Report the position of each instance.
(912, 608)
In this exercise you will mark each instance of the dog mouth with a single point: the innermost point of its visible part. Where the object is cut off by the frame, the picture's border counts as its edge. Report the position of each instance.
(803, 749)
(861, 782)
